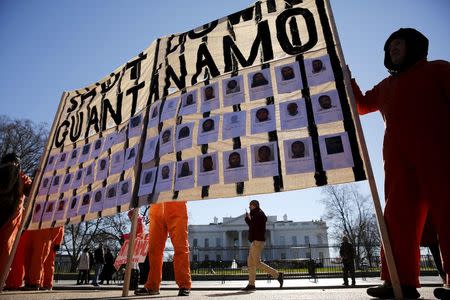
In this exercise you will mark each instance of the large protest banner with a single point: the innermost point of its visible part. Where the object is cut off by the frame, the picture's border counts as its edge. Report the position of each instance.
(252, 103)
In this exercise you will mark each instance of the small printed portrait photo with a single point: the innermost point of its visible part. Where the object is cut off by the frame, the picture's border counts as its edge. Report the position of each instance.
(185, 170)
(135, 127)
(149, 149)
(210, 97)
(98, 196)
(37, 212)
(153, 119)
(208, 130)
(89, 174)
(55, 184)
(166, 136)
(258, 79)
(207, 164)
(125, 188)
(86, 199)
(73, 207)
(208, 125)
(60, 209)
(288, 78)
(102, 168)
(117, 162)
(165, 172)
(61, 160)
(66, 182)
(232, 86)
(293, 114)
(265, 160)
(97, 203)
(260, 84)
(85, 151)
(336, 152)
(148, 177)
(50, 207)
(318, 70)
(61, 205)
(334, 145)
(166, 141)
(184, 136)
(130, 157)
(96, 148)
(185, 174)
(264, 154)
(45, 184)
(233, 90)
(207, 167)
(164, 182)
(327, 107)
(298, 156)
(170, 108)
(77, 180)
(234, 124)
(110, 196)
(188, 103)
(51, 162)
(73, 158)
(234, 160)
(263, 119)
(48, 211)
(124, 192)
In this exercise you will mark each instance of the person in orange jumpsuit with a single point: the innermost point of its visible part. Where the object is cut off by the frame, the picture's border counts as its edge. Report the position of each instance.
(168, 218)
(37, 248)
(14, 187)
(414, 103)
(17, 272)
(56, 236)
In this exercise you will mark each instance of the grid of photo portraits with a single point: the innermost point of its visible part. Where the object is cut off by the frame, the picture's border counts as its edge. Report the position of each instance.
(79, 181)
(222, 123)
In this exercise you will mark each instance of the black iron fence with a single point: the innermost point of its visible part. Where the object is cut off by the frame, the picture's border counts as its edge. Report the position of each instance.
(237, 269)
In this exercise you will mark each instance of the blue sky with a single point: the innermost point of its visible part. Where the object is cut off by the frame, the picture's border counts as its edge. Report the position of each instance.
(48, 47)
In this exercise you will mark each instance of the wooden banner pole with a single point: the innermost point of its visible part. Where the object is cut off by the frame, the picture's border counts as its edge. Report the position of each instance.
(370, 177)
(131, 244)
(29, 202)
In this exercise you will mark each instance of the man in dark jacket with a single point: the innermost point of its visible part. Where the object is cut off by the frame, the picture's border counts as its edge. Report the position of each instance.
(256, 222)
(347, 253)
(99, 261)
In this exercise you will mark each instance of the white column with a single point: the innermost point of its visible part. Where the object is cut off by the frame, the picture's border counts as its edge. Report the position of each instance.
(272, 243)
(224, 245)
(240, 244)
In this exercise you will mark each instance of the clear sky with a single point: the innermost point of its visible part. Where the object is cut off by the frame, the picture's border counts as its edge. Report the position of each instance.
(48, 47)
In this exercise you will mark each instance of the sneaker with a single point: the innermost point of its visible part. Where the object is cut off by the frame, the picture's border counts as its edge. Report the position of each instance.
(31, 287)
(386, 291)
(345, 284)
(280, 279)
(45, 288)
(95, 284)
(184, 292)
(442, 293)
(249, 288)
(144, 291)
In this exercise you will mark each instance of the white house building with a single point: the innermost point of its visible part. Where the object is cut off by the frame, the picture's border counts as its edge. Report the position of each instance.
(285, 239)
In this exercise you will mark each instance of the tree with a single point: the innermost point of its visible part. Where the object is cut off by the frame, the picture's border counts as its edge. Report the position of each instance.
(106, 230)
(351, 214)
(25, 138)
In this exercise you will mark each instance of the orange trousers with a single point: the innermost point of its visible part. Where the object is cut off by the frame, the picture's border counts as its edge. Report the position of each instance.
(8, 234)
(37, 249)
(414, 191)
(17, 272)
(169, 218)
(56, 235)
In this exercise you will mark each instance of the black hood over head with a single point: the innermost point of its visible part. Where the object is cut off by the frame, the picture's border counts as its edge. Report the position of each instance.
(416, 49)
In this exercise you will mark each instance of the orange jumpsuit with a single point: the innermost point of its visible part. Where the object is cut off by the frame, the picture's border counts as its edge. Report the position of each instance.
(37, 249)
(415, 107)
(168, 218)
(56, 235)
(17, 272)
(8, 232)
